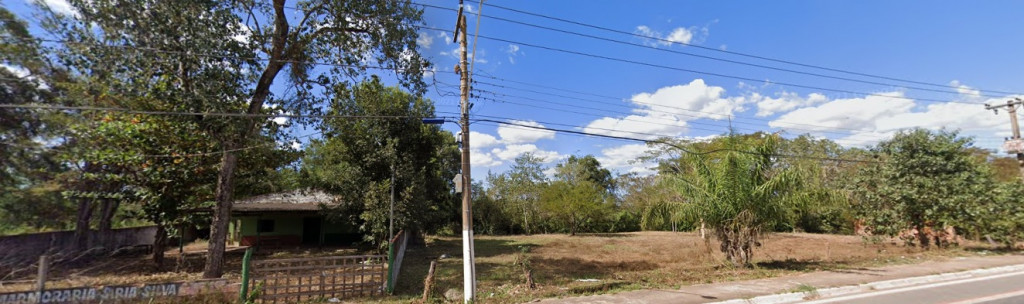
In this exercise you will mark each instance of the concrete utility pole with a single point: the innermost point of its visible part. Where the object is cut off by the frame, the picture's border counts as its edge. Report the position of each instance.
(468, 252)
(1015, 144)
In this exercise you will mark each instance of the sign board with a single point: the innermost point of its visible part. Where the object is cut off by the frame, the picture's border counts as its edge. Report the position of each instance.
(108, 293)
(458, 183)
(1013, 146)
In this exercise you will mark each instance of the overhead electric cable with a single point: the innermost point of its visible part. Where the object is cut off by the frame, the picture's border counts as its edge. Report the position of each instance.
(947, 90)
(630, 61)
(738, 53)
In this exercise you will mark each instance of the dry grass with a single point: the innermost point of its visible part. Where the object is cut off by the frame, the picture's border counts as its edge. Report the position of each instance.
(139, 269)
(621, 261)
(640, 260)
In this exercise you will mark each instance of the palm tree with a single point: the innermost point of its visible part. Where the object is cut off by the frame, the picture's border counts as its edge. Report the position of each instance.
(739, 192)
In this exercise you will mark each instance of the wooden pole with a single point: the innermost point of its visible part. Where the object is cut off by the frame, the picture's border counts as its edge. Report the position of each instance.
(44, 268)
(428, 283)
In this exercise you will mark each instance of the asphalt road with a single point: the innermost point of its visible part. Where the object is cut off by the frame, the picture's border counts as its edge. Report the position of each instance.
(997, 289)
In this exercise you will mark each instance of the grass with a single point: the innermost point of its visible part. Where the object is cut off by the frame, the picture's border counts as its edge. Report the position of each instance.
(561, 265)
(631, 261)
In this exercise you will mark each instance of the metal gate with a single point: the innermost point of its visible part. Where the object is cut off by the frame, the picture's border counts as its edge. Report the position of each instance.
(311, 279)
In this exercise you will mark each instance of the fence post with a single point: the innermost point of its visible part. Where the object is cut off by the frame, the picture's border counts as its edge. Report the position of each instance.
(44, 268)
(243, 291)
(389, 285)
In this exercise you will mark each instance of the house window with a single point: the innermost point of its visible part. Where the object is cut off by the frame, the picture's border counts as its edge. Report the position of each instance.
(265, 226)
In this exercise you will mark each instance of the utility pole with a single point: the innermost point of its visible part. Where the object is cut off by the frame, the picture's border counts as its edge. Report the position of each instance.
(468, 252)
(1015, 144)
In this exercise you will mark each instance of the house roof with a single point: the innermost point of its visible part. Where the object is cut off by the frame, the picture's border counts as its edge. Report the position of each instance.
(298, 200)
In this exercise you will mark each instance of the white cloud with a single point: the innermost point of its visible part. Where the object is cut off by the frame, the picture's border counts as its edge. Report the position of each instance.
(786, 101)
(482, 140)
(58, 6)
(20, 72)
(243, 33)
(623, 159)
(511, 134)
(874, 118)
(683, 35)
(648, 126)
(513, 51)
(444, 37)
(850, 113)
(680, 35)
(424, 40)
(665, 112)
(965, 90)
(478, 158)
(510, 152)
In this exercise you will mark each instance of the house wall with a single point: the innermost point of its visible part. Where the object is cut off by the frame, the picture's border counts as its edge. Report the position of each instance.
(288, 231)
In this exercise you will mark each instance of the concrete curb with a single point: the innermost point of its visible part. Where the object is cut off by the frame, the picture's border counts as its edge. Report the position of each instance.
(794, 297)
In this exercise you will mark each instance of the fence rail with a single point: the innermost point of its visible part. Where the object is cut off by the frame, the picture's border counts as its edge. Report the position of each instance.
(305, 279)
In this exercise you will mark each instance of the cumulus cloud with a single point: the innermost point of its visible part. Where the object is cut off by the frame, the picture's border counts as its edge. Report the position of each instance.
(479, 158)
(624, 159)
(510, 152)
(512, 134)
(786, 101)
(849, 113)
(482, 140)
(666, 111)
(871, 119)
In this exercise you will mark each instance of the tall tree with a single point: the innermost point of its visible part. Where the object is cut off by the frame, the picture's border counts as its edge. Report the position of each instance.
(28, 198)
(519, 191)
(360, 159)
(573, 205)
(924, 179)
(211, 56)
(587, 168)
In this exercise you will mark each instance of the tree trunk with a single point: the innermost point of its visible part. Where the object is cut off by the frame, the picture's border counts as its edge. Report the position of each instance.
(229, 161)
(221, 214)
(85, 206)
(107, 210)
(159, 246)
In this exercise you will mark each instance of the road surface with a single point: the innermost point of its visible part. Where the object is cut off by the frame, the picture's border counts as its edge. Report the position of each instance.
(996, 289)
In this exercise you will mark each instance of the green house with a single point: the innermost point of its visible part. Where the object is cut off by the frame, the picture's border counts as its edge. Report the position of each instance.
(288, 219)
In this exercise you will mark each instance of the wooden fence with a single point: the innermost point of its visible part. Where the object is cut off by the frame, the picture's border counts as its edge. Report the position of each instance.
(311, 279)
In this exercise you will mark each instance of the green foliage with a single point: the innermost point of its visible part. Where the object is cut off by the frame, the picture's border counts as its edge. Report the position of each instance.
(740, 194)
(518, 194)
(925, 179)
(1004, 220)
(575, 205)
(358, 157)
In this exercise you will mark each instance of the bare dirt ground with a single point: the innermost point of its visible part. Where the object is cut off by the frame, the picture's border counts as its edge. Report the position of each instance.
(561, 265)
(567, 266)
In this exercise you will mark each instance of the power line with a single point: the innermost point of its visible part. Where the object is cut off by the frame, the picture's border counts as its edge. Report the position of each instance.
(738, 53)
(946, 90)
(675, 145)
(630, 61)
(654, 106)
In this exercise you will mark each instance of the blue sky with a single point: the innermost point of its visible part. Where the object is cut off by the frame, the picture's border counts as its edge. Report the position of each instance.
(969, 49)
